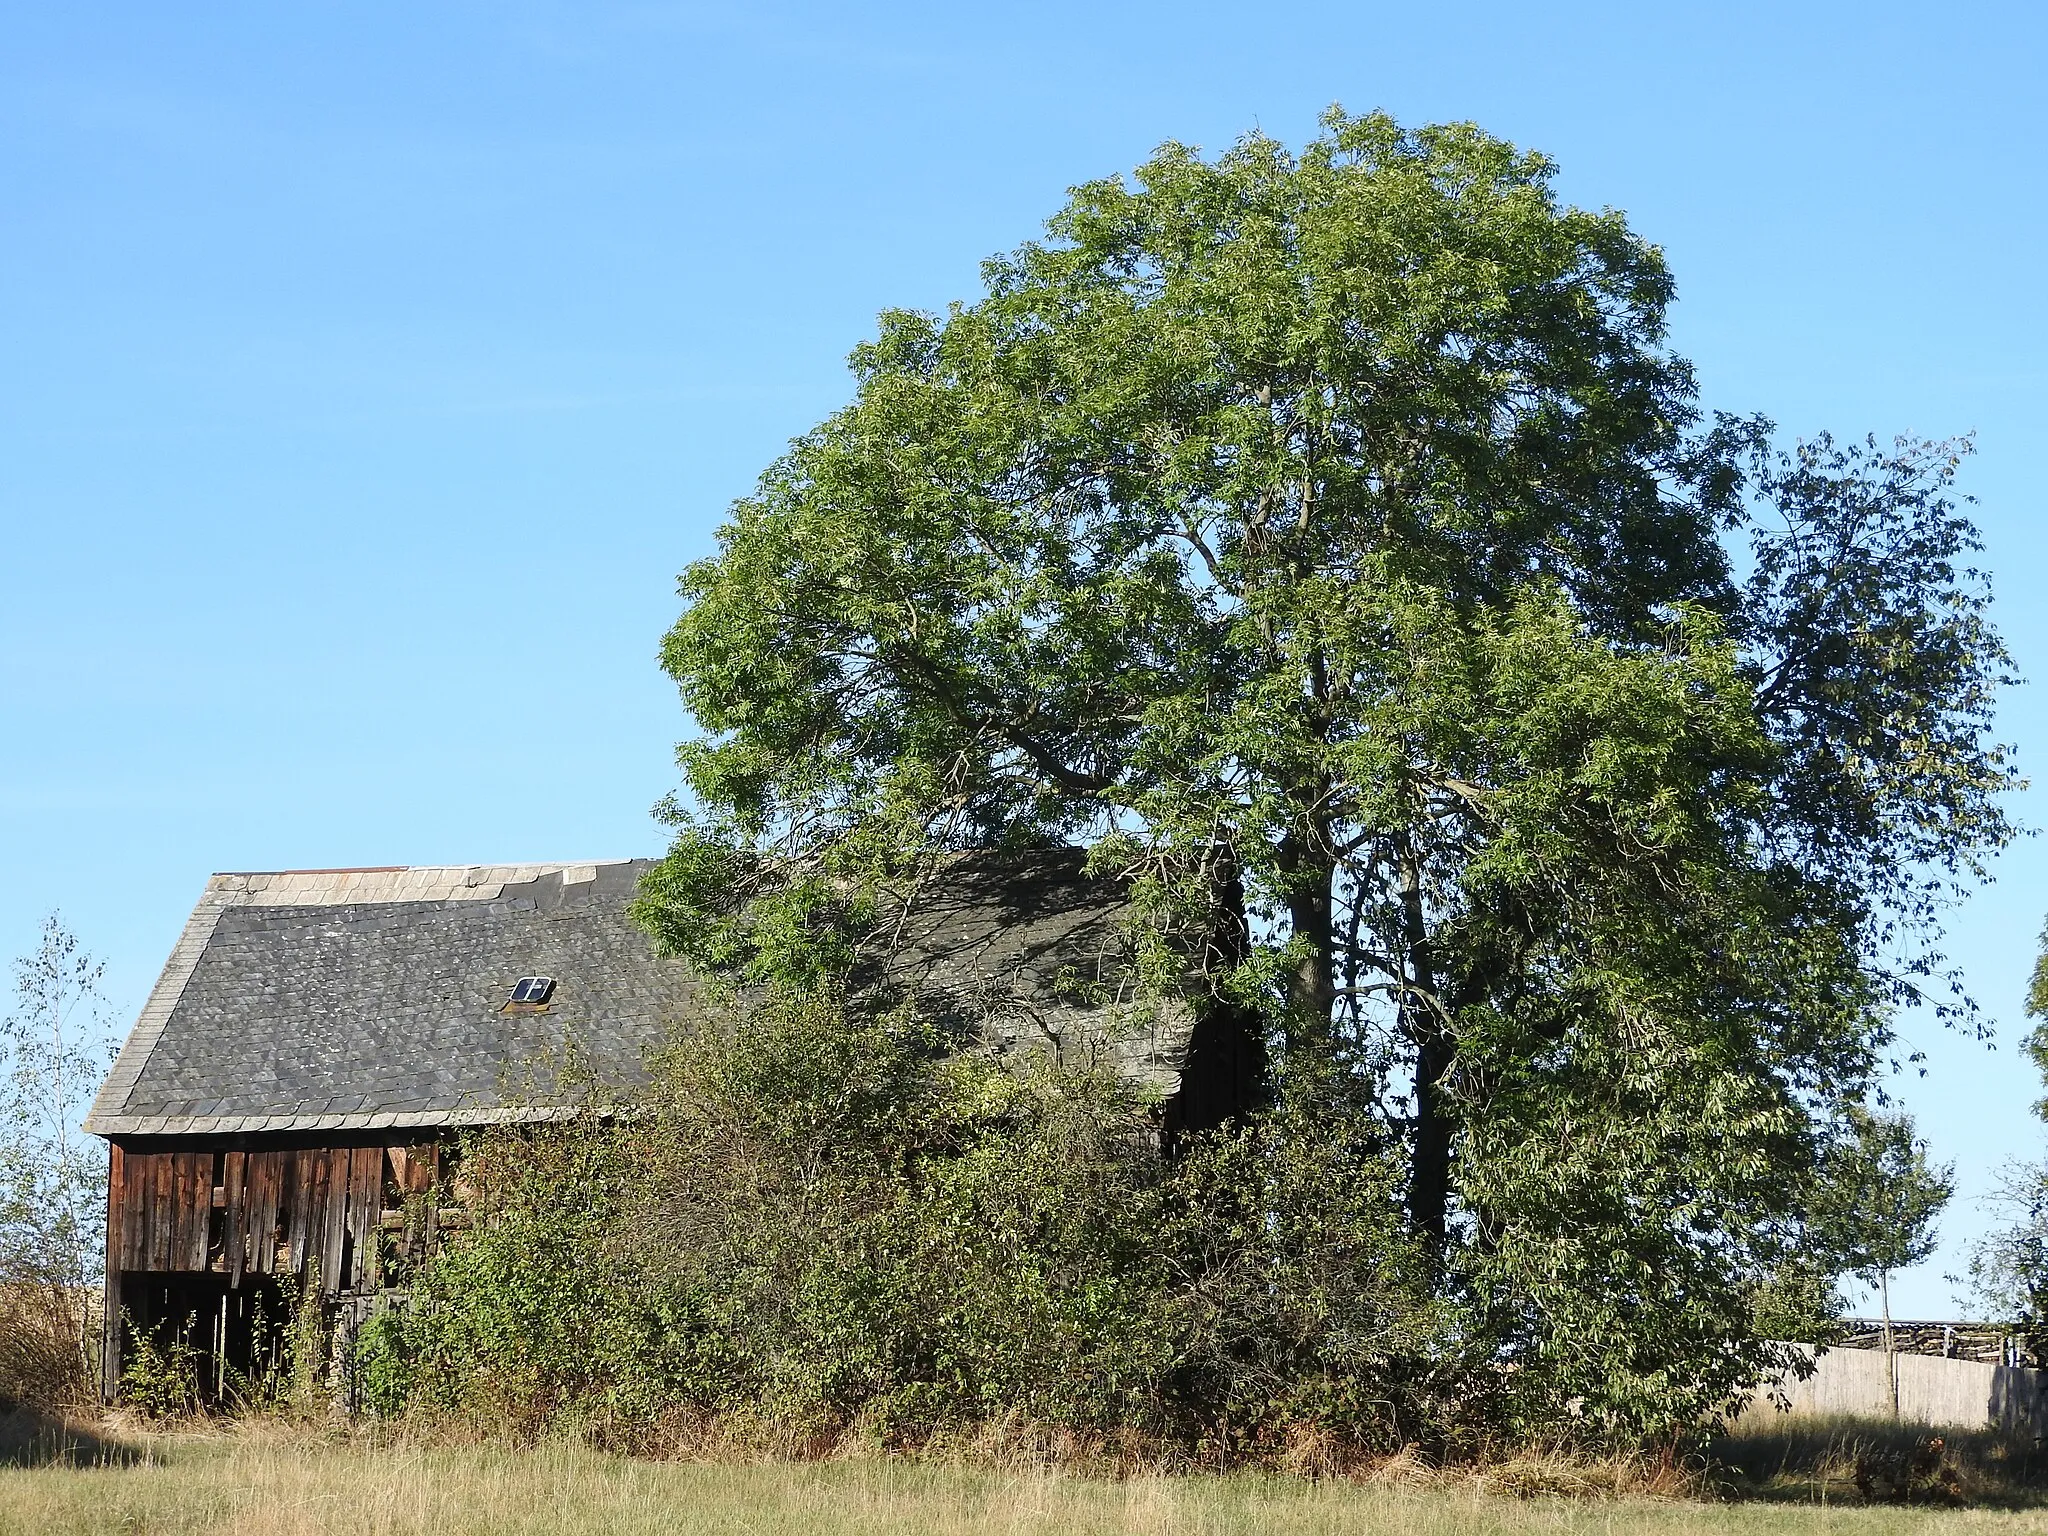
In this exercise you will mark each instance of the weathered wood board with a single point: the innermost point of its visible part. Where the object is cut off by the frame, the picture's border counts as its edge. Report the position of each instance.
(247, 1213)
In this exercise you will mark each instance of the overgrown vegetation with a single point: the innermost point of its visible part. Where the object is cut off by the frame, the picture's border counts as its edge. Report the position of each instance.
(821, 1224)
(171, 1372)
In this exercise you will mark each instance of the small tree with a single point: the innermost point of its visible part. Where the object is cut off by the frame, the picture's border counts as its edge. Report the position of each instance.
(2009, 1269)
(53, 1052)
(1876, 1204)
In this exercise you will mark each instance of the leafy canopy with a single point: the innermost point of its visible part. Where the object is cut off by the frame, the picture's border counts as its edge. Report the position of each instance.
(1879, 1195)
(1331, 544)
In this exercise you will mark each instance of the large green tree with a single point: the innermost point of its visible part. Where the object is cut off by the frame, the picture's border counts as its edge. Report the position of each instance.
(1331, 543)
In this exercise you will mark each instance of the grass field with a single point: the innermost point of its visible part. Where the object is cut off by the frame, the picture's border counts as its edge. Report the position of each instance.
(281, 1483)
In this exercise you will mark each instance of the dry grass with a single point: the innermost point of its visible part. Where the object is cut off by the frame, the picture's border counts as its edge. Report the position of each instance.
(1817, 1459)
(42, 1358)
(257, 1481)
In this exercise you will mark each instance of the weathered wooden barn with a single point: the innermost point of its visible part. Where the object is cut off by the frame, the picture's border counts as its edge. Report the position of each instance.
(281, 1117)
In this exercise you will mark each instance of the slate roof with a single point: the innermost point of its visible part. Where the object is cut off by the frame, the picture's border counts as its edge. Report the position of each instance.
(352, 1000)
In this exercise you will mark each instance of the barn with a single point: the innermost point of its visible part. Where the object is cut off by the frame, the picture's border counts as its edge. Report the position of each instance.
(283, 1120)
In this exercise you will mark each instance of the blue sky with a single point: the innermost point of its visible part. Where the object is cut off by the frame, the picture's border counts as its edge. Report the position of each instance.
(368, 371)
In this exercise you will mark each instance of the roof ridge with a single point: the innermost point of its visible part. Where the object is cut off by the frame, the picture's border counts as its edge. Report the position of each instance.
(399, 869)
(394, 883)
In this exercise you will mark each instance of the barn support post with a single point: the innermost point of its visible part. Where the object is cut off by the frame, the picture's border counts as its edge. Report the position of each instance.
(110, 1284)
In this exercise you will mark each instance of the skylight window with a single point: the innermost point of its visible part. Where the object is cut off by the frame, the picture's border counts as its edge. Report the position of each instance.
(533, 990)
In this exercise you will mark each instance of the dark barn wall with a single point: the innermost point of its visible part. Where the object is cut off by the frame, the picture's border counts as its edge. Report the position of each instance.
(198, 1231)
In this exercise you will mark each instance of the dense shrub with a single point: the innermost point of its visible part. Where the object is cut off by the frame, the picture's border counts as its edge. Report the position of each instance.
(817, 1223)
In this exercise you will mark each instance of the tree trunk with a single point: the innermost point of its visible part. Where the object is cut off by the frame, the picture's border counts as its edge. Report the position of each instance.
(1891, 1353)
(1311, 984)
(1429, 1178)
(1223, 1074)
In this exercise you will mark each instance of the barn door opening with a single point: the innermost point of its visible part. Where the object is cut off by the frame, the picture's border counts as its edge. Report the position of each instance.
(194, 1341)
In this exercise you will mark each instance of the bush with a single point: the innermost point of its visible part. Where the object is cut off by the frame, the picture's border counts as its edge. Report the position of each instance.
(161, 1375)
(818, 1223)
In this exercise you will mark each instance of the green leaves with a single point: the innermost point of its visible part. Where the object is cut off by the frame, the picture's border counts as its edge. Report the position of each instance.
(53, 1054)
(1877, 1198)
(819, 1221)
(1136, 483)
(1877, 670)
(1329, 543)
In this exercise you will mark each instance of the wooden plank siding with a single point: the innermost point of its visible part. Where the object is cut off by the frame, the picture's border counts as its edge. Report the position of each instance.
(191, 1211)
(266, 1173)
(330, 1214)
(364, 1213)
(282, 1211)
(234, 1222)
(159, 1217)
(124, 1212)
(295, 1207)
